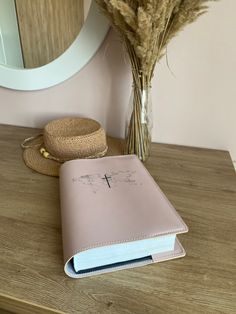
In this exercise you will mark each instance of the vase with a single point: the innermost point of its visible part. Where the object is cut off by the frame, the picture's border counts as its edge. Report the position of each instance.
(139, 123)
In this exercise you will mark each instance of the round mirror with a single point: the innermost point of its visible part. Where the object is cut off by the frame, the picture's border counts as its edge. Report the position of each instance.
(44, 42)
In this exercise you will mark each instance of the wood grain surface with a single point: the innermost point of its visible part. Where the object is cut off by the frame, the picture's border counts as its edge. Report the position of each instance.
(200, 183)
(47, 28)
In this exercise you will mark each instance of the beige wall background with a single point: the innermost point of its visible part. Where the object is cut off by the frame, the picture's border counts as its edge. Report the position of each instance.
(194, 104)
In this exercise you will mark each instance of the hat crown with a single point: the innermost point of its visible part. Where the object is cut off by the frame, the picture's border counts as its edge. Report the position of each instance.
(71, 138)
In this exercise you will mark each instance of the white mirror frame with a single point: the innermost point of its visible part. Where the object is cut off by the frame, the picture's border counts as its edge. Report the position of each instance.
(69, 63)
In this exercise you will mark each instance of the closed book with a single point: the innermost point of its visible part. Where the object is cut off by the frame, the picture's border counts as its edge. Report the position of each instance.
(115, 216)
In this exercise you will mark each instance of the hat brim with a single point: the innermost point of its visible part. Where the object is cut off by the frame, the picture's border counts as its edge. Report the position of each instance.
(34, 159)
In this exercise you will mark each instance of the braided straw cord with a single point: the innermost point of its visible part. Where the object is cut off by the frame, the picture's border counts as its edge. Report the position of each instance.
(26, 143)
(48, 156)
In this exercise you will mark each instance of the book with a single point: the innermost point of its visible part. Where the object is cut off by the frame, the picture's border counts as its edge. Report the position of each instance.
(115, 216)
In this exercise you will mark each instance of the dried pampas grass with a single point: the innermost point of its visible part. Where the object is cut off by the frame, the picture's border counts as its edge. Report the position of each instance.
(146, 27)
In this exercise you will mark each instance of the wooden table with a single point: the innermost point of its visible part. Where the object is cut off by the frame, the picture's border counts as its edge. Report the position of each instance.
(201, 184)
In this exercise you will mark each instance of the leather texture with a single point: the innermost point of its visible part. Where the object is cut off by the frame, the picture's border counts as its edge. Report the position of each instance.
(113, 200)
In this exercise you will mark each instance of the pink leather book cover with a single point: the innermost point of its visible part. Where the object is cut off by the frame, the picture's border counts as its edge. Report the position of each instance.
(113, 200)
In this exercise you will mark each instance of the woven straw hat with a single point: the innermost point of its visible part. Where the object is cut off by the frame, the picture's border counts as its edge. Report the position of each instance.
(66, 139)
